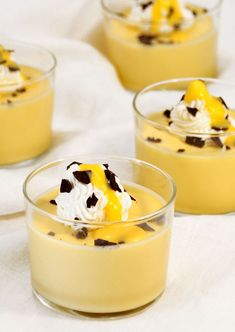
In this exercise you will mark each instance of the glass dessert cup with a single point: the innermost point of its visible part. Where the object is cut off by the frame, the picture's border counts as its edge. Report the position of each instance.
(74, 275)
(26, 109)
(140, 61)
(203, 175)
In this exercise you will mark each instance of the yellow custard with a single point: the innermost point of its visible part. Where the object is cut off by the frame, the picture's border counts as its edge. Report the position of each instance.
(74, 269)
(201, 169)
(143, 54)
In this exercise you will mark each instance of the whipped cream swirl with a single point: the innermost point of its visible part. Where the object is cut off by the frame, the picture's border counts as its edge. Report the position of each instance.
(80, 200)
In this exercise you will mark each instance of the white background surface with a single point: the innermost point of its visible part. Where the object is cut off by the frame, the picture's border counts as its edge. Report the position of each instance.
(93, 114)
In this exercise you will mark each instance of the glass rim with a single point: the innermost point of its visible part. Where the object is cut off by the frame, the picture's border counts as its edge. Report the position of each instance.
(157, 125)
(44, 74)
(70, 222)
(115, 15)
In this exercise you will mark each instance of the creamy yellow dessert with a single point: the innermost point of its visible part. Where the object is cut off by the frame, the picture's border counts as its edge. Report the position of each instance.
(194, 141)
(26, 104)
(91, 254)
(151, 41)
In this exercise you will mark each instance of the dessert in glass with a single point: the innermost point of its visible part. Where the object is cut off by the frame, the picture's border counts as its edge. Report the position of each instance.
(26, 101)
(99, 233)
(191, 135)
(152, 41)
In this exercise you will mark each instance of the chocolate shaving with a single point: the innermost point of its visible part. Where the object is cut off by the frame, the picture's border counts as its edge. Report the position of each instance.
(53, 202)
(146, 5)
(82, 233)
(181, 150)
(121, 242)
(192, 110)
(65, 186)
(73, 163)
(146, 39)
(9, 101)
(196, 141)
(106, 165)
(228, 147)
(91, 201)
(194, 12)
(132, 198)
(219, 129)
(223, 102)
(226, 118)
(177, 26)
(13, 68)
(2, 62)
(113, 184)
(14, 94)
(21, 90)
(107, 173)
(167, 114)
(217, 141)
(169, 123)
(51, 233)
(154, 140)
(146, 227)
(82, 176)
(205, 10)
(103, 243)
(76, 218)
(182, 98)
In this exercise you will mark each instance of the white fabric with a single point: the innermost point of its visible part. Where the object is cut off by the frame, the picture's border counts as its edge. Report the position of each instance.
(93, 115)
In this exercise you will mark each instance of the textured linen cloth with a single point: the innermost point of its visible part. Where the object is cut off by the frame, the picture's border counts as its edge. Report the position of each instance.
(93, 114)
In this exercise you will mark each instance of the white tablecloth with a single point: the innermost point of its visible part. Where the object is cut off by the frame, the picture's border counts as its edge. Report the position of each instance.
(93, 115)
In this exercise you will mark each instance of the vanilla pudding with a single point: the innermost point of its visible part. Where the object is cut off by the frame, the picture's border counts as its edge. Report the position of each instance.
(85, 236)
(193, 140)
(26, 103)
(151, 41)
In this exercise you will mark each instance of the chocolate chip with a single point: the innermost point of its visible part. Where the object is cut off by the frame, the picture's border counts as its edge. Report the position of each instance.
(103, 243)
(73, 163)
(14, 94)
(219, 129)
(146, 5)
(146, 227)
(13, 68)
(91, 201)
(223, 102)
(169, 123)
(196, 141)
(51, 233)
(21, 90)
(217, 141)
(192, 110)
(9, 101)
(194, 12)
(53, 202)
(65, 186)
(228, 147)
(154, 140)
(181, 150)
(113, 184)
(226, 118)
(182, 98)
(177, 26)
(82, 233)
(132, 198)
(146, 39)
(76, 218)
(82, 176)
(167, 114)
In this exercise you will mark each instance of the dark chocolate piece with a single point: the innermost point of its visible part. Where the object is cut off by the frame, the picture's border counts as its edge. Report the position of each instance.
(82, 176)
(177, 26)
(132, 198)
(107, 173)
(53, 202)
(91, 201)
(181, 150)
(106, 165)
(167, 114)
(82, 233)
(146, 227)
(9, 101)
(223, 102)
(196, 141)
(103, 243)
(192, 110)
(154, 140)
(169, 123)
(51, 233)
(76, 218)
(146, 5)
(146, 39)
(65, 186)
(73, 163)
(228, 147)
(226, 118)
(182, 98)
(14, 94)
(217, 141)
(121, 242)
(194, 12)
(218, 128)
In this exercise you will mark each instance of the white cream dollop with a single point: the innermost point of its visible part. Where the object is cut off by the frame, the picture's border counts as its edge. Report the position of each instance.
(73, 204)
(183, 120)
